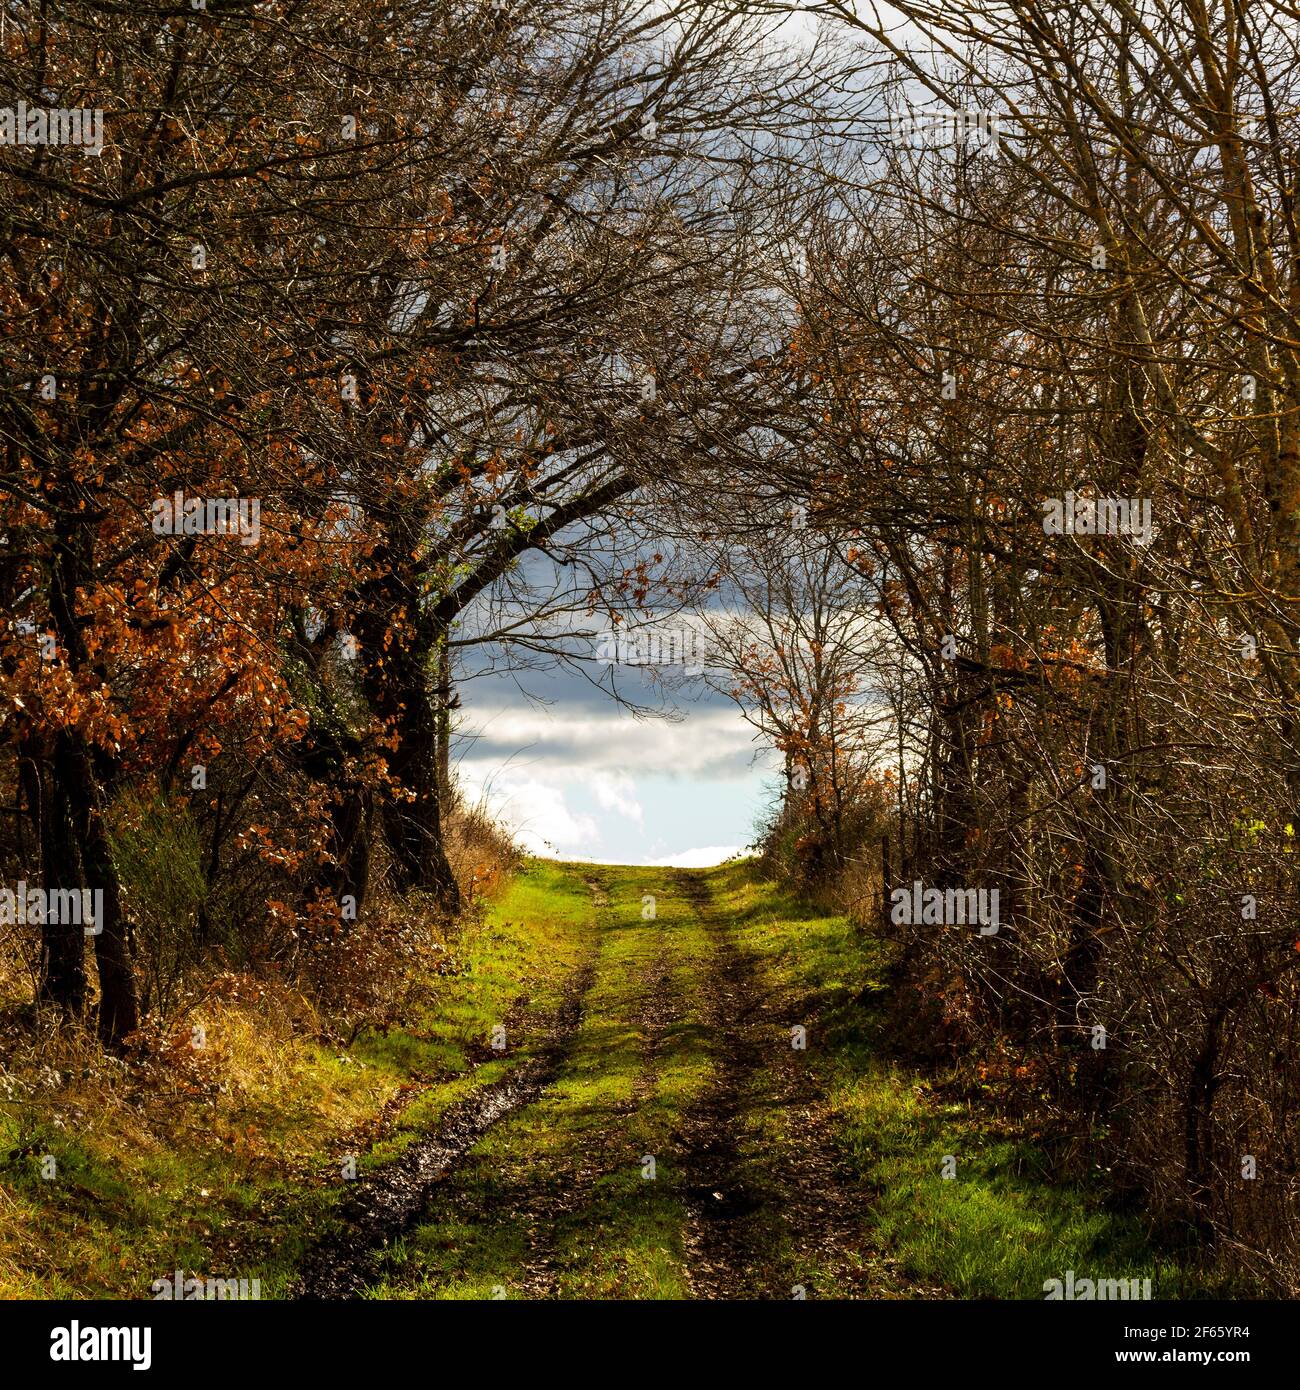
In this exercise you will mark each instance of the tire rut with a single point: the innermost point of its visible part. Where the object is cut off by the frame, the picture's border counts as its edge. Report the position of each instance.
(542, 1210)
(802, 1196)
(719, 1240)
(389, 1203)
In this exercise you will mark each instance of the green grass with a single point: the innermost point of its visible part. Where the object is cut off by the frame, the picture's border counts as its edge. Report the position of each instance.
(239, 1180)
(566, 1173)
(520, 958)
(238, 1177)
(1004, 1223)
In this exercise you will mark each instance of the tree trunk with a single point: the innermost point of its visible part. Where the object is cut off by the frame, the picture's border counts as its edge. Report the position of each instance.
(414, 825)
(393, 622)
(63, 945)
(350, 829)
(119, 1010)
(444, 725)
(400, 693)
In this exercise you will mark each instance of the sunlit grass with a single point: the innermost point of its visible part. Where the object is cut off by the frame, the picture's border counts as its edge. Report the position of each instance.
(1004, 1223)
(568, 1170)
(240, 1177)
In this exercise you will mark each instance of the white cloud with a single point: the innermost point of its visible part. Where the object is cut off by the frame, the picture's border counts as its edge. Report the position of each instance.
(614, 791)
(590, 782)
(701, 858)
(714, 742)
(537, 814)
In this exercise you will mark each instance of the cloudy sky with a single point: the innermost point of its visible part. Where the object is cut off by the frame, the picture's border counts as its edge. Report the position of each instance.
(576, 775)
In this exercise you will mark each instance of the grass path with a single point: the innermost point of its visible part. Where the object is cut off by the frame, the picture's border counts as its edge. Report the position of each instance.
(683, 1150)
(694, 1100)
(725, 1124)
